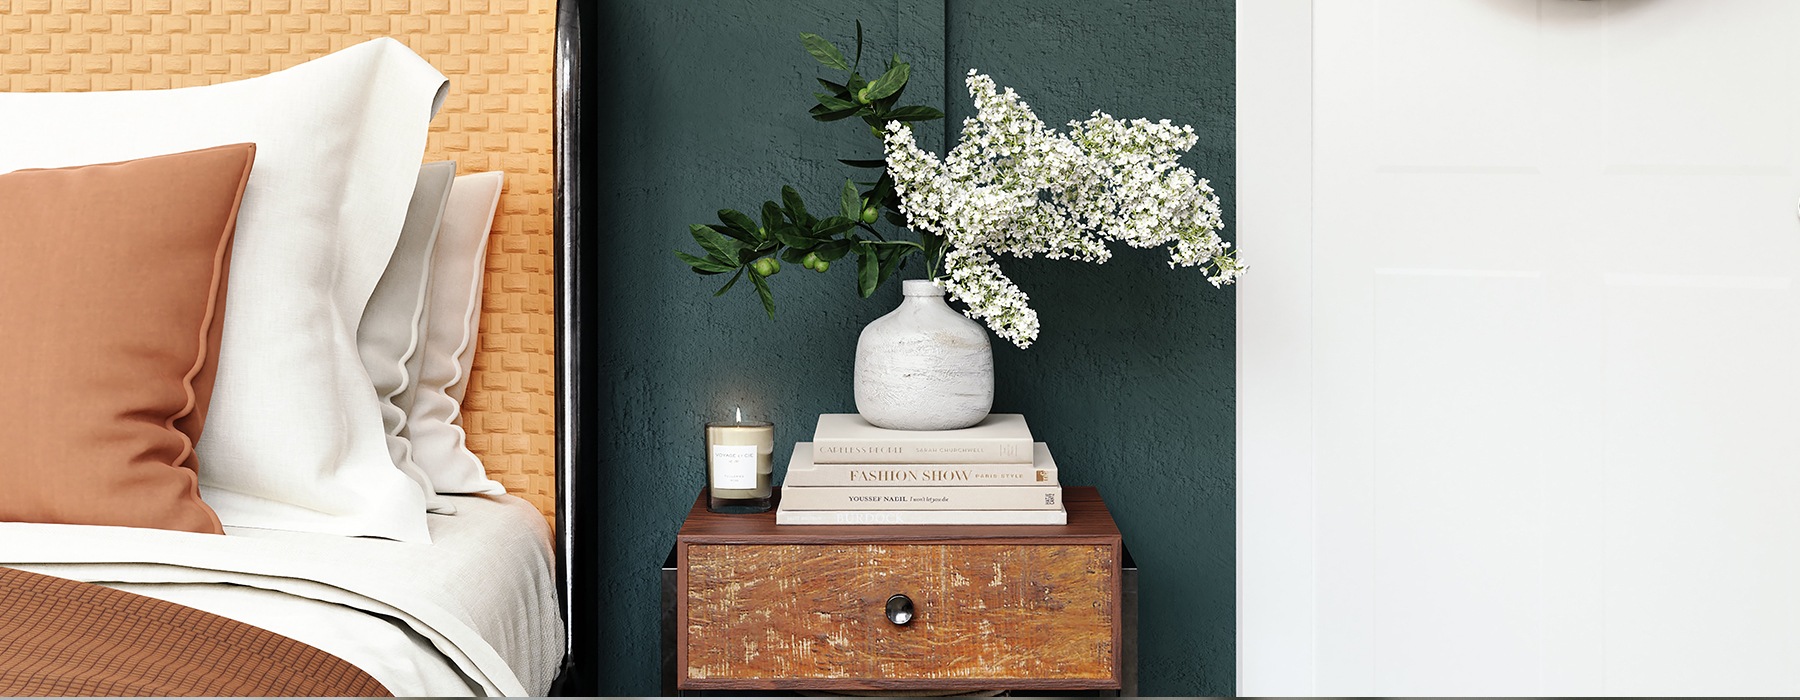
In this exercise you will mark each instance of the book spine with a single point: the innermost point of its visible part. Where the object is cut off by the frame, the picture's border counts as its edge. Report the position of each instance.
(921, 452)
(921, 475)
(922, 498)
(922, 517)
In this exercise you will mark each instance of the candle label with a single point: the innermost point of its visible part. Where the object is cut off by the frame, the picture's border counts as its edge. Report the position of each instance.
(734, 466)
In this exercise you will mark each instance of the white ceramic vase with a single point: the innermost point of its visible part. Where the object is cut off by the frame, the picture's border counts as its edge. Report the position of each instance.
(924, 366)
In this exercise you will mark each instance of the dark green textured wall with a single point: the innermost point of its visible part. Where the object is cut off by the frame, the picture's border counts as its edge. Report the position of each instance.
(693, 106)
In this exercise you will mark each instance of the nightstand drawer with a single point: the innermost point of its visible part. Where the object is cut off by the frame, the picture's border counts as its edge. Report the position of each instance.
(1043, 613)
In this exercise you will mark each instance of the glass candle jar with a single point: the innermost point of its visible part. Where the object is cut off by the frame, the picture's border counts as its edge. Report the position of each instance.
(740, 465)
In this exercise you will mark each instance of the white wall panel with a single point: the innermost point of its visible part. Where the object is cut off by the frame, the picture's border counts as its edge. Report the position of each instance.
(1695, 87)
(1525, 372)
(1701, 530)
(1457, 353)
(1425, 52)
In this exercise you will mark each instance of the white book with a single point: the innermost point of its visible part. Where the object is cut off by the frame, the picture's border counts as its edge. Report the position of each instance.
(922, 517)
(845, 438)
(804, 471)
(921, 498)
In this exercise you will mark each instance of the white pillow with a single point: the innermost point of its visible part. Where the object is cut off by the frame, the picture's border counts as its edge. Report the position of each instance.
(389, 337)
(294, 438)
(451, 321)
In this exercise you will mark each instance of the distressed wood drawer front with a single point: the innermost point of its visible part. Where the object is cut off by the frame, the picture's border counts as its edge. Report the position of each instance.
(817, 611)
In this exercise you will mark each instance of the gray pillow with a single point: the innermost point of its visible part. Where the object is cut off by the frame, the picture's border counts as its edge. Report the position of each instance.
(389, 338)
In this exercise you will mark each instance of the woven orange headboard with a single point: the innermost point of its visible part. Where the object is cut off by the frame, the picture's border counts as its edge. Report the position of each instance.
(498, 55)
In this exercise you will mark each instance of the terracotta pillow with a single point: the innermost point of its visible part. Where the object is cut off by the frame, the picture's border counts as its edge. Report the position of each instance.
(112, 288)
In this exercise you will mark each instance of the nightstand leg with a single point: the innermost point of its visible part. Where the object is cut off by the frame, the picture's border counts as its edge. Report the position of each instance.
(1128, 603)
(669, 599)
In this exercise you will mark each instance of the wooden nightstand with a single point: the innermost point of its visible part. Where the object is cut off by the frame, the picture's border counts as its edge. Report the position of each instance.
(752, 606)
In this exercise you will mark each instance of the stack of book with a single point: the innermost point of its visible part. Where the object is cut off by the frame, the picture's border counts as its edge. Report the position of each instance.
(854, 473)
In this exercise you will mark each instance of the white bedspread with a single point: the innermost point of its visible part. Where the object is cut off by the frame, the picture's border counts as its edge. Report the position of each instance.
(474, 612)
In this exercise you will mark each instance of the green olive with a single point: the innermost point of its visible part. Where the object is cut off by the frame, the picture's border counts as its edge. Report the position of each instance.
(868, 216)
(766, 266)
(822, 266)
(811, 261)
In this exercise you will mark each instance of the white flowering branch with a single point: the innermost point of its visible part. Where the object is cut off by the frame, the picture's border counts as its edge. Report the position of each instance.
(1013, 186)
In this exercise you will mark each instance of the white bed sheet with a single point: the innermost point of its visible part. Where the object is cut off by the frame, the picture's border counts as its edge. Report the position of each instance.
(472, 613)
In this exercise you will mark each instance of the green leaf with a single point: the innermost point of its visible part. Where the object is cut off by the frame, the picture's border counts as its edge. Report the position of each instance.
(729, 283)
(762, 290)
(833, 103)
(786, 230)
(747, 237)
(821, 113)
(868, 270)
(718, 246)
(825, 52)
(884, 188)
(890, 262)
(833, 226)
(915, 113)
(796, 209)
(835, 88)
(794, 255)
(858, 45)
(849, 202)
(864, 163)
(930, 240)
(704, 266)
(934, 249)
(748, 254)
(738, 220)
(888, 84)
(792, 238)
(886, 104)
(830, 252)
(771, 216)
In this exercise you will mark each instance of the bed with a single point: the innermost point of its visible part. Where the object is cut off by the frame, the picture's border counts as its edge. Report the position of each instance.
(472, 613)
(482, 608)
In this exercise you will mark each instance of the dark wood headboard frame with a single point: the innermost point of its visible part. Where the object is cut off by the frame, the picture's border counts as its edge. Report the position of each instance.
(568, 287)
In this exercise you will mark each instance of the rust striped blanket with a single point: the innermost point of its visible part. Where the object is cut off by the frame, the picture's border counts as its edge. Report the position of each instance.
(61, 637)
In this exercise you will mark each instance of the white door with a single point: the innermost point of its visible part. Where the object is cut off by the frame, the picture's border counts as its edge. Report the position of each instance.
(1519, 407)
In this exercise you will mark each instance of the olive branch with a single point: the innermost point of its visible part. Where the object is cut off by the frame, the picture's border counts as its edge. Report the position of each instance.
(740, 245)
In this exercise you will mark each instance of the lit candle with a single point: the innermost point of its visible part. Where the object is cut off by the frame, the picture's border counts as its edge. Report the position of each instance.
(739, 465)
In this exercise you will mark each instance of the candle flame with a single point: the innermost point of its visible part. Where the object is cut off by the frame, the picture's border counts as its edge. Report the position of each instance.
(740, 414)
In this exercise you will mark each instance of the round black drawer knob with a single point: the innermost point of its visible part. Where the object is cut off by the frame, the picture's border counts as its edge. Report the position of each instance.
(899, 609)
